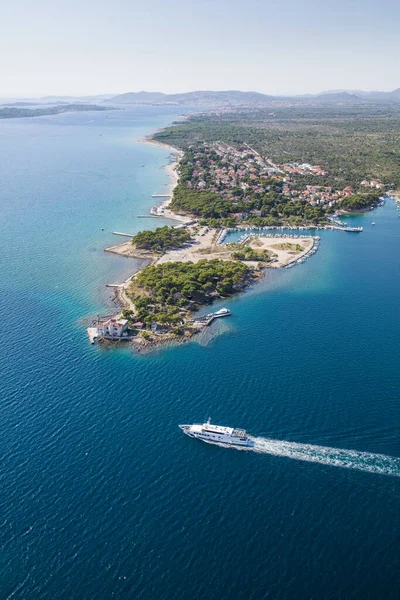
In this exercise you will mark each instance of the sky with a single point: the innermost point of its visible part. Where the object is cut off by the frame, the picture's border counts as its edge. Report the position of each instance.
(84, 47)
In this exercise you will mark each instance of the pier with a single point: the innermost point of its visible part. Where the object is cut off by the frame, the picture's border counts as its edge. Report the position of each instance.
(291, 228)
(206, 320)
(221, 236)
(92, 333)
(161, 195)
(123, 234)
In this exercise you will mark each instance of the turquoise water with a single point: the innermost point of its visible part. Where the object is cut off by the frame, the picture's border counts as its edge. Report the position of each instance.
(101, 494)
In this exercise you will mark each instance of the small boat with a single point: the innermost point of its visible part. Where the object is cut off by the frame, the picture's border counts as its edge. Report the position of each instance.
(222, 312)
(102, 228)
(372, 223)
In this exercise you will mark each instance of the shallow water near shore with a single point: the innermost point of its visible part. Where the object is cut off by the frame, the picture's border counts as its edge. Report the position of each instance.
(101, 494)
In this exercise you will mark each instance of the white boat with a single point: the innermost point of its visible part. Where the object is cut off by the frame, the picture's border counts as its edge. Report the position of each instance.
(217, 434)
(222, 312)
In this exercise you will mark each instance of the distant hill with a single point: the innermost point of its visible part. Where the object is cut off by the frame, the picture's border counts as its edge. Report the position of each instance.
(356, 95)
(138, 98)
(395, 95)
(12, 112)
(236, 98)
(337, 97)
(229, 97)
(225, 97)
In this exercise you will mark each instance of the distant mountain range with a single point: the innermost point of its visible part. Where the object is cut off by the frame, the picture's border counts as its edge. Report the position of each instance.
(217, 99)
(237, 98)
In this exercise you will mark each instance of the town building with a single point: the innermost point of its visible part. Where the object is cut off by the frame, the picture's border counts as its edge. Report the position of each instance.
(112, 328)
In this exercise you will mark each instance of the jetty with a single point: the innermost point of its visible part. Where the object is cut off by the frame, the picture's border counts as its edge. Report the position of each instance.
(92, 333)
(161, 195)
(123, 234)
(206, 320)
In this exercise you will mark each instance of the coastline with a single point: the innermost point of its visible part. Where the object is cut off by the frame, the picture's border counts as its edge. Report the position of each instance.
(205, 245)
(171, 166)
(126, 249)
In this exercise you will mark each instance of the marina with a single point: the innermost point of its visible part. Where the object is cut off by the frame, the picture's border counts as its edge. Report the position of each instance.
(224, 232)
(247, 238)
(299, 228)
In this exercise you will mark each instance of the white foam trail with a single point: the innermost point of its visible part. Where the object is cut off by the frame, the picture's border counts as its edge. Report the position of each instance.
(335, 457)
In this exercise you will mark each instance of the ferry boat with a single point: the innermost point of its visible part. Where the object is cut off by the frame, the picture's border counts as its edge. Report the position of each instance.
(217, 433)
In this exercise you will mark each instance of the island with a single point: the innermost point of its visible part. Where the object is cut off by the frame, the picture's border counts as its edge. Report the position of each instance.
(14, 112)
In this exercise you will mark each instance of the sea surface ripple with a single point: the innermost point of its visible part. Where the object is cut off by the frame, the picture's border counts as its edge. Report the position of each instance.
(101, 495)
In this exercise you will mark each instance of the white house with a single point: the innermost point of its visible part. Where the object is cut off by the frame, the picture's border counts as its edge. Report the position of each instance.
(112, 328)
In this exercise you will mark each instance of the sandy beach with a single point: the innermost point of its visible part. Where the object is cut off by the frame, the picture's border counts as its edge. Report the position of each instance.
(171, 167)
(284, 248)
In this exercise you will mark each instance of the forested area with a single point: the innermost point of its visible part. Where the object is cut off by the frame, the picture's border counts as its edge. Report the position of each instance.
(275, 209)
(160, 292)
(351, 142)
(246, 253)
(360, 201)
(202, 204)
(161, 239)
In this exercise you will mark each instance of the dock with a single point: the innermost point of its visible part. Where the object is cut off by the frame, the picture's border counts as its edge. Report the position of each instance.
(161, 195)
(345, 227)
(92, 333)
(206, 320)
(123, 234)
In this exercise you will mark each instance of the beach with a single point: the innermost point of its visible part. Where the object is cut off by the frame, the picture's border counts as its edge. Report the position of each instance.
(170, 167)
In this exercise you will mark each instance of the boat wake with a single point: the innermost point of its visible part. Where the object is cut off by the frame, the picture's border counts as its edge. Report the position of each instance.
(335, 457)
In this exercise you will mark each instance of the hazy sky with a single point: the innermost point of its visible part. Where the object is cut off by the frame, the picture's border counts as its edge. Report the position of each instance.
(271, 46)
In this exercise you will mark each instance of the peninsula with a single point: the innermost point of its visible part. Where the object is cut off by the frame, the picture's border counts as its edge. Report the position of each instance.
(227, 181)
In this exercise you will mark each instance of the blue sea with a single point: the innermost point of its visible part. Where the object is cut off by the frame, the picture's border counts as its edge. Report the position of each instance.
(101, 494)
